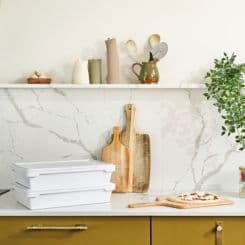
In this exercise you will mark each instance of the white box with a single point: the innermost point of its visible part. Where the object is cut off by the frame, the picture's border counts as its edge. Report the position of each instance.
(63, 174)
(60, 198)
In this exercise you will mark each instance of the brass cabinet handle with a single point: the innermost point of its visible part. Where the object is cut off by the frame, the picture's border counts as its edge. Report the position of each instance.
(218, 233)
(59, 228)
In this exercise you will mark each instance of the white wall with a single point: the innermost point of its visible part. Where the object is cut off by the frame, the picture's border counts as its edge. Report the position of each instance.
(187, 149)
(50, 34)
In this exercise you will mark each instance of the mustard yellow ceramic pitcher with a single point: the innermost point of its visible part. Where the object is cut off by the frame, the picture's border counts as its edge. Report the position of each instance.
(148, 72)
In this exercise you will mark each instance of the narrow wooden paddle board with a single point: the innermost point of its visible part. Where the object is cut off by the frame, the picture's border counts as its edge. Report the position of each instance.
(128, 138)
(140, 158)
(119, 155)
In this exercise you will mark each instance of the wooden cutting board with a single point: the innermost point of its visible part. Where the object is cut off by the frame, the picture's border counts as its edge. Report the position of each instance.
(128, 138)
(118, 154)
(139, 146)
(142, 164)
(194, 202)
(161, 201)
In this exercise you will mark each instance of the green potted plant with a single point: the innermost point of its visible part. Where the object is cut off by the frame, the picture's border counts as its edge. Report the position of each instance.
(226, 89)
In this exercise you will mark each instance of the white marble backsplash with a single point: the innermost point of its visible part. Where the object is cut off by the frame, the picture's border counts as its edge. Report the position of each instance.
(187, 149)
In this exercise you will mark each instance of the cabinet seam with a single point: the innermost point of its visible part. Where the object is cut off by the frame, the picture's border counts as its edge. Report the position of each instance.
(150, 230)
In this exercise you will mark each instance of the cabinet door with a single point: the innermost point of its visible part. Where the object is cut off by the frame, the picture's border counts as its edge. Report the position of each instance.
(198, 230)
(233, 230)
(101, 230)
(183, 230)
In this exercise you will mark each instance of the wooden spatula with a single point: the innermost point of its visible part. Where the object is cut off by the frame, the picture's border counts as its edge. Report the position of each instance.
(118, 154)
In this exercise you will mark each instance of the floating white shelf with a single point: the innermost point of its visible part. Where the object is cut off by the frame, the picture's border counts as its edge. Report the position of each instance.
(102, 86)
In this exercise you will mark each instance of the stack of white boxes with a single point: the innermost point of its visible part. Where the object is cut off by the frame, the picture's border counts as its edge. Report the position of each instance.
(63, 183)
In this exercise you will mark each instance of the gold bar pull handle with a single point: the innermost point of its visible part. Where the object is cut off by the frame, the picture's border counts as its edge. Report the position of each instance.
(218, 232)
(76, 227)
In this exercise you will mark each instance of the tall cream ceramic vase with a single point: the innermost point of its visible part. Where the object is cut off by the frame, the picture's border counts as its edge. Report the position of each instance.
(112, 61)
(80, 72)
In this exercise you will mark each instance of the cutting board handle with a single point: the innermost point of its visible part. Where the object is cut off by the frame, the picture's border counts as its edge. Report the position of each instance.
(144, 204)
(116, 133)
(130, 115)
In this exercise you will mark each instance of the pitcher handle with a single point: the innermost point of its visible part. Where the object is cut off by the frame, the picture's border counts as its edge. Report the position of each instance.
(133, 69)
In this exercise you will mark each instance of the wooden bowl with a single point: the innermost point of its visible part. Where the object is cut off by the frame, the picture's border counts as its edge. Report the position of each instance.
(39, 80)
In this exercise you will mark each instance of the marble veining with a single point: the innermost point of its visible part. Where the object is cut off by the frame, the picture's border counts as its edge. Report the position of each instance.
(187, 149)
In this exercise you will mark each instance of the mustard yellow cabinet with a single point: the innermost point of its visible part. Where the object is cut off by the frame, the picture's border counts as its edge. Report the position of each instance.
(233, 230)
(74, 230)
(122, 230)
(198, 231)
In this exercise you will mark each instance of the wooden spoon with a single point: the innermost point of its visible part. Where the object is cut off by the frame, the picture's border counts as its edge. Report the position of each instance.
(154, 39)
(132, 48)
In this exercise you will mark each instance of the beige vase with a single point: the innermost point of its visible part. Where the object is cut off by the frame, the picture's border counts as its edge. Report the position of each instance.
(112, 61)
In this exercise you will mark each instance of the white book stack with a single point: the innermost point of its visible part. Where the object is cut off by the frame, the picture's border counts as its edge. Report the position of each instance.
(52, 184)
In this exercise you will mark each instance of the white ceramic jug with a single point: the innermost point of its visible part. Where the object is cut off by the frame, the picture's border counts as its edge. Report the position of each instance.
(85, 74)
(80, 72)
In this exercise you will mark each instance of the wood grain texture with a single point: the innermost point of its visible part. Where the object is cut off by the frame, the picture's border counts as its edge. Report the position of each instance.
(167, 203)
(179, 200)
(128, 138)
(145, 204)
(139, 146)
(142, 163)
(156, 203)
(119, 155)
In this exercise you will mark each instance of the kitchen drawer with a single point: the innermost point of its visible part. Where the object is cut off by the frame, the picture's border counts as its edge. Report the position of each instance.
(197, 230)
(101, 230)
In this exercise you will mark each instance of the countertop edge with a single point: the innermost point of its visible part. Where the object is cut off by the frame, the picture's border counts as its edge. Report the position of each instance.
(224, 214)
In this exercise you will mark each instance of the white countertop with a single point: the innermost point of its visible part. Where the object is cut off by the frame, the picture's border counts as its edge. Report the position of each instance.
(118, 207)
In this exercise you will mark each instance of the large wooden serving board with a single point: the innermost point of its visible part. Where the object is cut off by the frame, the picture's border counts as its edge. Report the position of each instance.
(185, 204)
(194, 202)
(142, 164)
(162, 201)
